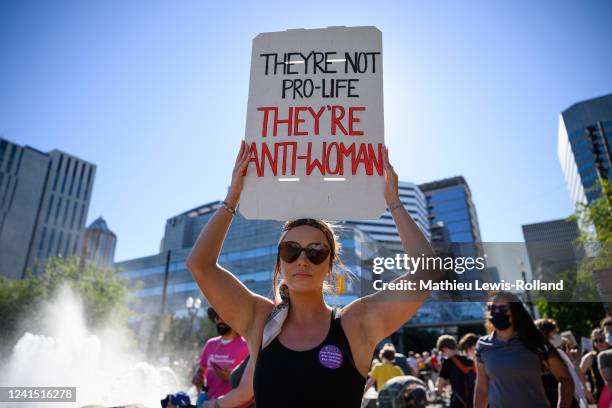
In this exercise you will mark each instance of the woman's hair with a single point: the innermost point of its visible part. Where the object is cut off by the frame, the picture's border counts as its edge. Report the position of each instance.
(387, 352)
(597, 332)
(446, 341)
(547, 326)
(528, 333)
(212, 314)
(468, 341)
(332, 240)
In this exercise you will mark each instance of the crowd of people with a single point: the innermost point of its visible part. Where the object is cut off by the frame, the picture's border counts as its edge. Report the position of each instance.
(294, 350)
(520, 362)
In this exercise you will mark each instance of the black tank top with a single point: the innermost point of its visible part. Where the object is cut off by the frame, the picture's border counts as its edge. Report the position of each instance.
(325, 376)
(595, 378)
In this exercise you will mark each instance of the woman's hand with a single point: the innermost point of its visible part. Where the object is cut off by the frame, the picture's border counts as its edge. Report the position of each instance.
(391, 181)
(240, 167)
(223, 373)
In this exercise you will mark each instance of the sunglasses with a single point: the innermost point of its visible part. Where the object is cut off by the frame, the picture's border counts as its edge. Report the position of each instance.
(289, 251)
(599, 340)
(502, 309)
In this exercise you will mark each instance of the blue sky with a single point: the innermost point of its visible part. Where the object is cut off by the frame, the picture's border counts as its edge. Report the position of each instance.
(154, 93)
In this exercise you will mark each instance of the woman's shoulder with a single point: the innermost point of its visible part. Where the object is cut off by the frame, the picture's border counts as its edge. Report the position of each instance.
(485, 341)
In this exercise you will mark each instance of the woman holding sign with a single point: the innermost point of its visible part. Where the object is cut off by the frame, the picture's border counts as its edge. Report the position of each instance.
(305, 352)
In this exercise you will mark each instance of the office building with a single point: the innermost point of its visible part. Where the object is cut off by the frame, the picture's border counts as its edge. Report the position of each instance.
(454, 223)
(584, 141)
(450, 207)
(551, 247)
(44, 199)
(99, 244)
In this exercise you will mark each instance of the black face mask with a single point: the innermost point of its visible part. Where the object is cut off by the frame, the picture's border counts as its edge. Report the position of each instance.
(501, 321)
(223, 329)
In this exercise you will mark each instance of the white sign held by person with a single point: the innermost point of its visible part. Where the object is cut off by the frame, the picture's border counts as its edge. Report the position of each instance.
(315, 125)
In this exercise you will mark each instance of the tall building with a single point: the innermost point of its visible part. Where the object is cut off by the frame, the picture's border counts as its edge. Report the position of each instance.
(454, 223)
(44, 198)
(450, 207)
(99, 243)
(384, 231)
(584, 142)
(551, 247)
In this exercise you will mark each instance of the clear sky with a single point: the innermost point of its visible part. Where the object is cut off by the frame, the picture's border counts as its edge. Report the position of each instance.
(154, 93)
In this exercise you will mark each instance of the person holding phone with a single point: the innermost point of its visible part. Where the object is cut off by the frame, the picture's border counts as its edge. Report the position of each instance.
(305, 352)
(220, 356)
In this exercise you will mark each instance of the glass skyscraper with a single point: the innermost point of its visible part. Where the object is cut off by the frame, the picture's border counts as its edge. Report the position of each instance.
(450, 207)
(454, 223)
(584, 141)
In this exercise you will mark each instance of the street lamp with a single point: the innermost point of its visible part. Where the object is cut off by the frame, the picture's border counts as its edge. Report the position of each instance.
(521, 265)
(193, 306)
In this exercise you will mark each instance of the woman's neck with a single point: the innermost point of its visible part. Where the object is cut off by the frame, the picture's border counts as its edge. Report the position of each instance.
(504, 335)
(306, 307)
(229, 336)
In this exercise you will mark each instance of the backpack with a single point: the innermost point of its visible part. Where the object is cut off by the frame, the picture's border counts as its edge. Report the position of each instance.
(469, 381)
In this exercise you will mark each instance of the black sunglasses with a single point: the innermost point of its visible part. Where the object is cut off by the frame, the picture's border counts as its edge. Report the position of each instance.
(498, 309)
(599, 340)
(289, 251)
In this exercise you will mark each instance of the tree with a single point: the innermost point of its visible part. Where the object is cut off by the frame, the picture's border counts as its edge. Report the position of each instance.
(104, 295)
(579, 308)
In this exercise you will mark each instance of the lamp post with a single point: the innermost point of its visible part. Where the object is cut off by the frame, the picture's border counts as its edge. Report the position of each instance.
(521, 265)
(193, 306)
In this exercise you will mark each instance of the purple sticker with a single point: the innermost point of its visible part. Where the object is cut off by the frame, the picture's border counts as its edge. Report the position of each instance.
(330, 356)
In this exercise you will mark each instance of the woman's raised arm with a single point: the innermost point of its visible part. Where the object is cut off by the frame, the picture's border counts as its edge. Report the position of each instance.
(384, 312)
(230, 298)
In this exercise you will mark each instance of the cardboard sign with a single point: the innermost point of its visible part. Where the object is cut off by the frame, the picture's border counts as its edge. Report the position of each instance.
(315, 126)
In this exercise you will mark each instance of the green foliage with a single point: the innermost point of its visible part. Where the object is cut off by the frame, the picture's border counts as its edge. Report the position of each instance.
(580, 317)
(579, 307)
(595, 221)
(18, 300)
(104, 296)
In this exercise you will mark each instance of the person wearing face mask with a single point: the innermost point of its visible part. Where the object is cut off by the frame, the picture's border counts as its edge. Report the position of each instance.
(220, 355)
(550, 330)
(589, 369)
(511, 358)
